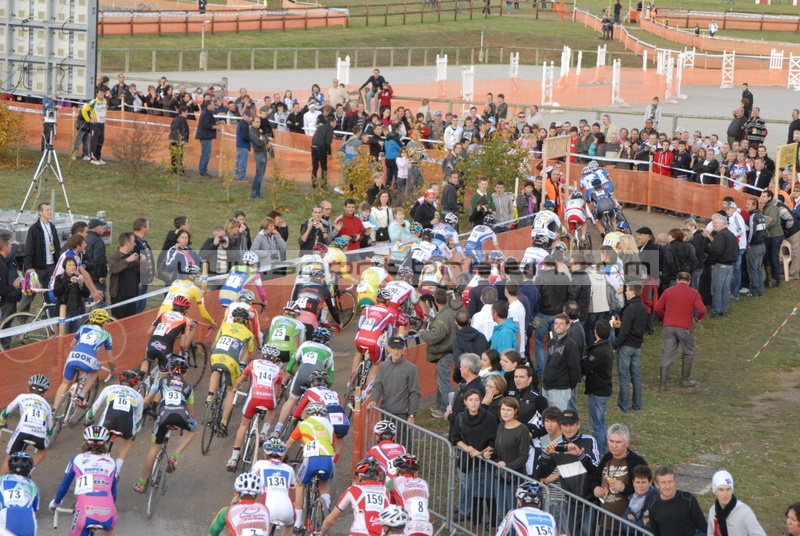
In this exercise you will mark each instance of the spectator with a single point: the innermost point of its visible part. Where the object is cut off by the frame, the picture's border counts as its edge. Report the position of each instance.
(349, 225)
(260, 145)
(314, 231)
(10, 282)
(503, 203)
(728, 515)
(563, 369)
(596, 366)
(243, 146)
(321, 149)
(756, 239)
(704, 165)
(723, 252)
(424, 211)
(375, 82)
(178, 138)
(206, 133)
(506, 333)
(774, 268)
(94, 258)
(755, 128)
(511, 450)
(673, 511)
(680, 257)
(629, 348)
(531, 404)
(179, 257)
(643, 494)
(400, 228)
(517, 306)
(440, 338)
(467, 338)
(269, 245)
(381, 211)
(94, 113)
(217, 250)
(123, 278)
(735, 130)
(793, 519)
(554, 290)
(70, 290)
(483, 319)
(141, 228)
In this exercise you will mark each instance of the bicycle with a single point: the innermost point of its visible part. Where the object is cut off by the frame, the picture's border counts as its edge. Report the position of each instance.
(198, 353)
(157, 481)
(345, 301)
(45, 312)
(313, 507)
(605, 219)
(93, 529)
(251, 442)
(358, 384)
(68, 411)
(579, 242)
(622, 222)
(25, 442)
(415, 323)
(212, 423)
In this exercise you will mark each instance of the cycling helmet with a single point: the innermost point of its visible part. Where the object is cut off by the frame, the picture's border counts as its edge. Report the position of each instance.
(597, 182)
(247, 296)
(415, 227)
(406, 462)
(405, 272)
(240, 315)
(540, 240)
(129, 376)
(378, 261)
(383, 294)
(496, 256)
(451, 218)
(489, 219)
(177, 363)
(192, 272)
(585, 171)
(322, 248)
(316, 273)
(340, 242)
(530, 493)
(318, 377)
(560, 246)
(369, 468)
(394, 517)
(290, 307)
(623, 226)
(592, 165)
(427, 233)
(99, 316)
(39, 382)
(321, 335)
(274, 448)
(20, 463)
(576, 195)
(315, 409)
(180, 302)
(549, 205)
(384, 427)
(437, 256)
(248, 257)
(96, 434)
(270, 351)
(248, 484)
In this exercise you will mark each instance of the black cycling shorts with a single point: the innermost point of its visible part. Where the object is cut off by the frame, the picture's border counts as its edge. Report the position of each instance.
(120, 421)
(166, 419)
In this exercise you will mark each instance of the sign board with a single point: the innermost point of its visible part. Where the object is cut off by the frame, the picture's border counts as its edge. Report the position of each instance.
(556, 147)
(786, 157)
(48, 47)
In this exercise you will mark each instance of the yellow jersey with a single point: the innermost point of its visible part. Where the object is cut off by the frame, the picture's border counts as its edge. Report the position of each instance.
(187, 288)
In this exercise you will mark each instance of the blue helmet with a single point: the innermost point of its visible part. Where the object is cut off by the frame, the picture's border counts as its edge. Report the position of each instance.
(549, 205)
(340, 242)
(597, 182)
(321, 335)
(623, 226)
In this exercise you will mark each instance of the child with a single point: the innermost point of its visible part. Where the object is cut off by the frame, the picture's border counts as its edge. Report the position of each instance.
(70, 289)
(365, 213)
(403, 166)
(639, 501)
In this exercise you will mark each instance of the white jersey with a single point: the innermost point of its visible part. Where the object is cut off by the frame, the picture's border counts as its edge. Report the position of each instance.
(308, 263)
(534, 255)
(401, 291)
(412, 494)
(447, 233)
(120, 398)
(546, 223)
(479, 235)
(599, 173)
(575, 210)
(527, 521)
(277, 479)
(422, 251)
(35, 415)
(251, 311)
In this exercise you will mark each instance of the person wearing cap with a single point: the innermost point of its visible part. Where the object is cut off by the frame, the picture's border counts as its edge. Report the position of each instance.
(396, 387)
(649, 252)
(94, 257)
(672, 511)
(728, 515)
(572, 460)
(310, 118)
(437, 126)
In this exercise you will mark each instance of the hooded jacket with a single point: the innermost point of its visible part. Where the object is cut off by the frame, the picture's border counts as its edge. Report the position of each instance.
(504, 336)
(597, 368)
(469, 339)
(563, 368)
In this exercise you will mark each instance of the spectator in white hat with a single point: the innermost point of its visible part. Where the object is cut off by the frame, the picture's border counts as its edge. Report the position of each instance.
(729, 516)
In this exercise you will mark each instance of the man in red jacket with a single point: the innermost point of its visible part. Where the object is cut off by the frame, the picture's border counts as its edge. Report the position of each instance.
(350, 226)
(679, 307)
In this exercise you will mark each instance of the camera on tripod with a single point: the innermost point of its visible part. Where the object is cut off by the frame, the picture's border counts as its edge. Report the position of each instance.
(50, 116)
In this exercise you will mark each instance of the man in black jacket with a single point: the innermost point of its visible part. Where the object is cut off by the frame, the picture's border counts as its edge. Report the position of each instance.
(723, 251)
(206, 133)
(314, 231)
(554, 291)
(581, 286)
(484, 270)
(259, 142)
(468, 339)
(450, 196)
(94, 258)
(597, 369)
(424, 213)
(320, 150)
(563, 370)
(41, 250)
(375, 83)
(628, 344)
(531, 403)
(178, 137)
(9, 288)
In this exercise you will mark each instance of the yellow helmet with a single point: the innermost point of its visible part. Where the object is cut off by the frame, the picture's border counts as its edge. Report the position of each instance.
(99, 316)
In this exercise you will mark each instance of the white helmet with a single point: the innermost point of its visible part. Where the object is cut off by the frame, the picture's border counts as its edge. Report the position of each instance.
(248, 257)
(394, 516)
(248, 484)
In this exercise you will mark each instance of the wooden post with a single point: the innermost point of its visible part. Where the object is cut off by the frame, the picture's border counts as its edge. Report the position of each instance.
(204, 277)
(438, 12)
(366, 16)
(186, 25)
(62, 321)
(386, 14)
(405, 11)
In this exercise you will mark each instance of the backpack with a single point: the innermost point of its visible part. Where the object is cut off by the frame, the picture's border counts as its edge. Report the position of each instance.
(790, 226)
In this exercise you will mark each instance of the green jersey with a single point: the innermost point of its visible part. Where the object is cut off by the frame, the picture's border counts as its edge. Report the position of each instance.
(286, 333)
(311, 356)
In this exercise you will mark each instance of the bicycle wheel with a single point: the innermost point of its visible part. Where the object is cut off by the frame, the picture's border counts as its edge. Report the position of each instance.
(198, 358)
(247, 459)
(77, 415)
(158, 481)
(210, 424)
(574, 245)
(318, 514)
(22, 339)
(357, 379)
(60, 416)
(346, 303)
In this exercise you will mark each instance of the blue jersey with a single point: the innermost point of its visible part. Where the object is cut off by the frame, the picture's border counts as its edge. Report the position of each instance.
(19, 501)
(90, 339)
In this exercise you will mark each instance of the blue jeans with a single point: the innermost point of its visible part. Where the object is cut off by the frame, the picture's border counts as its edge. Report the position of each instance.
(141, 304)
(755, 256)
(721, 275)
(205, 156)
(774, 262)
(596, 405)
(736, 278)
(370, 96)
(696, 277)
(261, 167)
(545, 325)
(559, 398)
(241, 163)
(629, 370)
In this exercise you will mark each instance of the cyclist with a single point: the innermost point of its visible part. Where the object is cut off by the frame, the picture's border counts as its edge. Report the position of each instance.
(528, 518)
(35, 420)
(244, 301)
(241, 276)
(265, 391)
(372, 279)
(312, 261)
(88, 340)
(123, 411)
(319, 392)
(375, 325)
(546, 223)
(591, 172)
(421, 252)
(435, 274)
(19, 499)
(165, 332)
(400, 249)
(244, 515)
(312, 355)
(315, 434)
(95, 474)
(337, 260)
(496, 270)
(310, 299)
(394, 520)
(286, 333)
(576, 212)
(278, 484)
(368, 498)
(411, 493)
(447, 233)
(187, 287)
(175, 399)
(480, 235)
(402, 291)
(233, 347)
(602, 202)
(536, 253)
(386, 449)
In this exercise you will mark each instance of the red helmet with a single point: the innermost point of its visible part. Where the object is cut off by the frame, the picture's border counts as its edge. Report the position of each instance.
(320, 247)
(130, 377)
(181, 302)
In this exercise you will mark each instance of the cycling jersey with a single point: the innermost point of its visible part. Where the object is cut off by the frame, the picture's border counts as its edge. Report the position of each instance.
(479, 235)
(371, 280)
(309, 357)
(83, 356)
(229, 346)
(307, 264)
(612, 239)
(176, 396)
(442, 232)
(309, 300)
(400, 291)
(255, 323)
(421, 252)
(187, 289)
(169, 327)
(432, 276)
(336, 257)
(602, 203)
(287, 334)
(331, 399)
(367, 499)
(35, 421)
(245, 518)
(546, 223)
(412, 494)
(376, 324)
(534, 255)
(265, 379)
(316, 436)
(527, 521)
(384, 452)
(599, 173)
(575, 212)
(95, 490)
(277, 479)
(123, 407)
(19, 501)
(238, 279)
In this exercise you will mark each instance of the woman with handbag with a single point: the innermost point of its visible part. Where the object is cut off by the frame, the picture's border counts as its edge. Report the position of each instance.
(381, 212)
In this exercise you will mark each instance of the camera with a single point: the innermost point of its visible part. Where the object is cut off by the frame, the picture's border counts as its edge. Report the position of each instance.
(50, 116)
(560, 448)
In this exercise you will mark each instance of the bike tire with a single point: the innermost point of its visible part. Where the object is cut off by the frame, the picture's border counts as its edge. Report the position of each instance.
(199, 353)
(346, 303)
(58, 424)
(574, 245)
(586, 243)
(355, 381)
(247, 459)
(318, 514)
(23, 339)
(209, 426)
(78, 414)
(414, 323)
(157, 487)
(286, 431)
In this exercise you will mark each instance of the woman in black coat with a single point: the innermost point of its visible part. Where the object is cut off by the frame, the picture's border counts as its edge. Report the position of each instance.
(680, 257)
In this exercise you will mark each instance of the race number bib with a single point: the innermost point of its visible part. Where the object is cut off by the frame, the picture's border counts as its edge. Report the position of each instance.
(311, 449)
(368, 324)
(310, 357)
(374, 502)
(540, 220)
(235, 281)
(417, 511)
(418, 255)
(225, 342)
(276, 483)
(330, 398)
(264, 376)
(279, 333)
(161, 329)
(84, 484)
(121, 403)
(13, 497)
(363, 287)
(301, 302)
(172, 398)
(35, 416)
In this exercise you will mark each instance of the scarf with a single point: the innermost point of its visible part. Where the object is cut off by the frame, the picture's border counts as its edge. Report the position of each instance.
(721, 517)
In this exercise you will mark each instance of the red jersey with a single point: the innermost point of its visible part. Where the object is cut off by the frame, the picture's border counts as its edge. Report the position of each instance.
(374, 320)
(322, 395)
(384, 452)
(368, 499)
(265, 379)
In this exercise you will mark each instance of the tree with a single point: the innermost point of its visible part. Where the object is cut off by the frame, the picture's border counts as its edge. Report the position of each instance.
(12, 130)
(496, 158)
(136, 148)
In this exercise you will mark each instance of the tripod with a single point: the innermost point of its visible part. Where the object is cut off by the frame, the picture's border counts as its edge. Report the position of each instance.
(47, 165)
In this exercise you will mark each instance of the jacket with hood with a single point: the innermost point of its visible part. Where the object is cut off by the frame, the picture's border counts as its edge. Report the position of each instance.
(597, 368)
(504, 336)
(563, 368)
(634, 324)
(469, 339)
(598, 294)
(581, 286)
